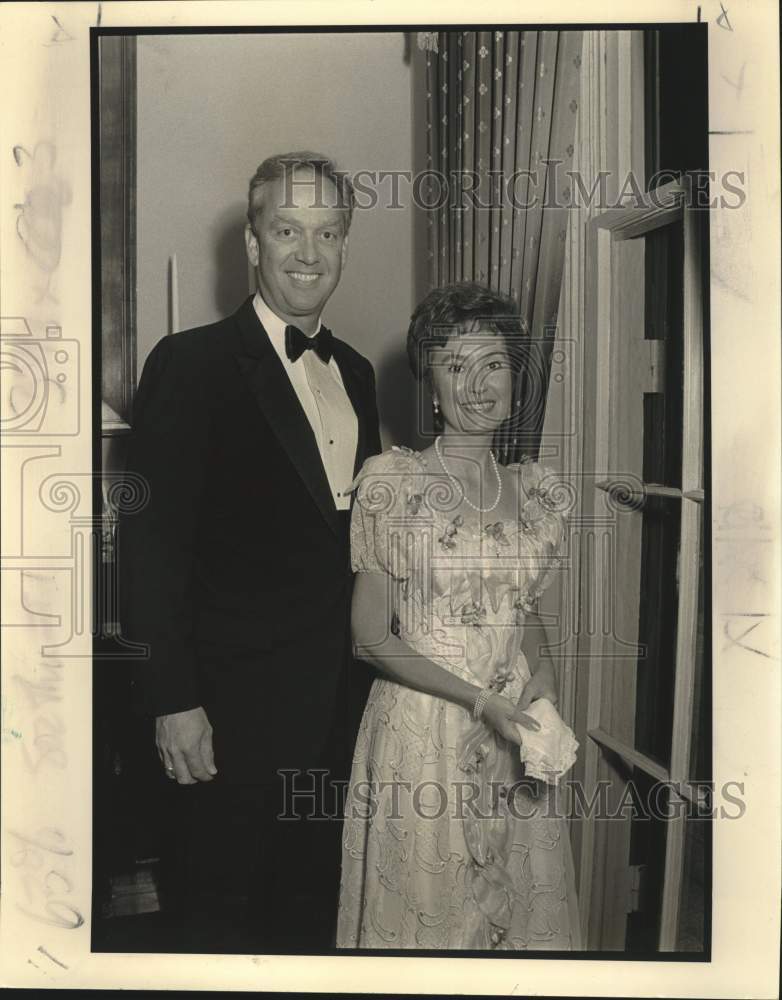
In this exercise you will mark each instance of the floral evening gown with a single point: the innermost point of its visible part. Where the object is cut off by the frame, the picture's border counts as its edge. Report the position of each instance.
(445, 845)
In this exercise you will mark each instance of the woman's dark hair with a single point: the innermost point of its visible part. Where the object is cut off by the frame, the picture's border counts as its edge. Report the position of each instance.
(446, 310)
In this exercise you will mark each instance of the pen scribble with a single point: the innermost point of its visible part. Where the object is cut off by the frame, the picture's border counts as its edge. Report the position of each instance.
(39, 222)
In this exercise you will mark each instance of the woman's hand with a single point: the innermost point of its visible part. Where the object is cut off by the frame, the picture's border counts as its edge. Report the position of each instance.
(542, 684)
(502, 715)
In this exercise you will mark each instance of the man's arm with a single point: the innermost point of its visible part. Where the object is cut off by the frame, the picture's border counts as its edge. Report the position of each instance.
(157, 551)
(373, 424)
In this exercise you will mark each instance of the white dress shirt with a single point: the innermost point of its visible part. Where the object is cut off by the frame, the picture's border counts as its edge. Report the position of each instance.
(321, 392)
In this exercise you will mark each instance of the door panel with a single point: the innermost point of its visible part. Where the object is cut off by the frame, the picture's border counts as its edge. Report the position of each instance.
(644, 657)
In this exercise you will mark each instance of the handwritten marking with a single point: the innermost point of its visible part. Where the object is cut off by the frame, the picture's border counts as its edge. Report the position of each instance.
(728, 286)
(724, 16)
(742, 514)
(738, 87)
(39, 223)
(56, 961)
(48, 732)
(48, 883)
(740, 561)
(70, 920)
(40, 842)
(46, 689)
(60, 35)
(735, 640)
(51, 958)
(43, 864)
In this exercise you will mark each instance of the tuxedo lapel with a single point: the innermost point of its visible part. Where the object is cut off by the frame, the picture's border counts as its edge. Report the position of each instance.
(352, 385)
(266, 378)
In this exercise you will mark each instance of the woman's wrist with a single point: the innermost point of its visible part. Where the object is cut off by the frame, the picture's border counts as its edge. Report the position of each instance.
(481, 700)
(484, 698)
(468, 696)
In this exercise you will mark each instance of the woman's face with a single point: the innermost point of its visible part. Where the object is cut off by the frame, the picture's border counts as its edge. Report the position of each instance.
(472, 381)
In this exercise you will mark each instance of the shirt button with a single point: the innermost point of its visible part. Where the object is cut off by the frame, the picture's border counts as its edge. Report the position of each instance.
(331, 441)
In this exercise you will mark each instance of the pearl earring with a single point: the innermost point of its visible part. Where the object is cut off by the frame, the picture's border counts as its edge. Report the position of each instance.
(436, 406)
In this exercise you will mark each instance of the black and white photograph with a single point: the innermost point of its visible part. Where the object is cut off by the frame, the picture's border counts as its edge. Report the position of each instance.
(416, 525)
(406, 526)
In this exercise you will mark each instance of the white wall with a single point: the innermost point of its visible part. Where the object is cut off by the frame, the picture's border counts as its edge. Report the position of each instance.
(210, 108)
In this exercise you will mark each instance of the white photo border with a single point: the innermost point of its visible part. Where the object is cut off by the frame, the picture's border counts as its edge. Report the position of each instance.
(47, 707)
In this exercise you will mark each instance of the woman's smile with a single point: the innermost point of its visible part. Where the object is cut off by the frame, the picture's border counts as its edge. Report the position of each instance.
(478, 405)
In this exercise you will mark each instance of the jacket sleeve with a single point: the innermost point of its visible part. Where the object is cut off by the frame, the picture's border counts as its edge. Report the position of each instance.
(373, 424)
(158, 543)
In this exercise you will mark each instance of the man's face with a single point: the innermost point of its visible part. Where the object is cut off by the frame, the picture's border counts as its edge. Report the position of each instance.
(299, 246)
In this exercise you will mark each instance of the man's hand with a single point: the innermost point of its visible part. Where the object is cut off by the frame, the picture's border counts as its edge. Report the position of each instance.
(184, 745)
(542, 684)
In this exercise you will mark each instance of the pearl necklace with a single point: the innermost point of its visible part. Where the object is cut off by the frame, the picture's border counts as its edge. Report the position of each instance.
(455, 482)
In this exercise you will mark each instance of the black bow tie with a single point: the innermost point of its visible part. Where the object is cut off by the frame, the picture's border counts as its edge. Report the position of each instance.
(296, 343)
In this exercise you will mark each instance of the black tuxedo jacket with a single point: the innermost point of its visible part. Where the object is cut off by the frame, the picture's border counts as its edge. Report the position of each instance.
(236, 573)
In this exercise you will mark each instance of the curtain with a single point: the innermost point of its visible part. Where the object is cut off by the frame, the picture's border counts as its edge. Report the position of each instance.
(501, 111)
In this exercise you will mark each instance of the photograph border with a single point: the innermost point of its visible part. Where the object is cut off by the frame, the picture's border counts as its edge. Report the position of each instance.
(50, 955)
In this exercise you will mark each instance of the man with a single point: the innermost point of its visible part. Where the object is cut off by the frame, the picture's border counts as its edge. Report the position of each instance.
(236, 574)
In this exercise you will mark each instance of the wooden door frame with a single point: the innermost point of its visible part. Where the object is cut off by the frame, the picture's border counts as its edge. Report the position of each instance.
(605, 875)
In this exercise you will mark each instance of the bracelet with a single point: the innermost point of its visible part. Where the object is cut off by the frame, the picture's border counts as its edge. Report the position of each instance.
(480, 703)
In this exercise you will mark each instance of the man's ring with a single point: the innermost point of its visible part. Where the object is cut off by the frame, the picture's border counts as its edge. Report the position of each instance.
(170, 769)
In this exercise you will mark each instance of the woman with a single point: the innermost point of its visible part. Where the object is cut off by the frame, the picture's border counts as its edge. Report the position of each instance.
(446, 844)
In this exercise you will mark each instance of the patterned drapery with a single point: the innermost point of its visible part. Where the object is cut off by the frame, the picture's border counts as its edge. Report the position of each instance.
(501, 111)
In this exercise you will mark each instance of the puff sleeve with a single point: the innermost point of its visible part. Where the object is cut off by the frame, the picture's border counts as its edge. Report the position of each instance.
(548, 499)
(384, 507)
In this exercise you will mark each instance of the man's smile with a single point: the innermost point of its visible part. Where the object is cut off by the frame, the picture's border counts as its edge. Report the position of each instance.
(304, 277)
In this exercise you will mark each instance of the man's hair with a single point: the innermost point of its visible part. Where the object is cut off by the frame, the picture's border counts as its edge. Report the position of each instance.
(446, 310)
(283, 164)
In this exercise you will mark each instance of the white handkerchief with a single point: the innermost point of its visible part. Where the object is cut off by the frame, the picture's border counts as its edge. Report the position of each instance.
(550, 751)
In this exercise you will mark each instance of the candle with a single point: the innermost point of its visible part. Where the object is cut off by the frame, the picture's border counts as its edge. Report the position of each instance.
(173, 294)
